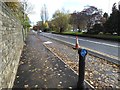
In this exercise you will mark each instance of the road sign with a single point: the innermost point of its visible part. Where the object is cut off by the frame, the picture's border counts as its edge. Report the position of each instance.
(83, 52)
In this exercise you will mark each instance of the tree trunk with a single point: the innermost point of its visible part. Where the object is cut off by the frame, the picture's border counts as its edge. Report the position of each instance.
(61, 29)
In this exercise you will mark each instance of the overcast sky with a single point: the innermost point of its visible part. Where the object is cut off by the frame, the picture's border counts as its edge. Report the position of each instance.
(71, 5)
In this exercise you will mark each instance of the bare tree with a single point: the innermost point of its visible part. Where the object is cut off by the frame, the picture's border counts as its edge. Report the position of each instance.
(27, 7)
(44, 14)
(86, 18)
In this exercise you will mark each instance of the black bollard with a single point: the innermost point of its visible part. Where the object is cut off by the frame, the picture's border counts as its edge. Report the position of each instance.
(82, 54)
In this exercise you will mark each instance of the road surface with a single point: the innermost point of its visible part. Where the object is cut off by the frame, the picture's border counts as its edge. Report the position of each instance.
(103, 46)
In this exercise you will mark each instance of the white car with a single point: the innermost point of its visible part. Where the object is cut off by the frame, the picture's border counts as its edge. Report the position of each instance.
(39, 31)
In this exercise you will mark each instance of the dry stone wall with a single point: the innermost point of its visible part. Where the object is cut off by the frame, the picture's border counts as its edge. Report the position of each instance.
(11, 44)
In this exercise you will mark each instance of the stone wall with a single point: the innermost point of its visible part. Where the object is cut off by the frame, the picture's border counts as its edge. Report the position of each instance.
(11, 44)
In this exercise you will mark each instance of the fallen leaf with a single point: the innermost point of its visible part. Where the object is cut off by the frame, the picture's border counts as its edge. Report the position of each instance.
(26, 86)
(36, 86)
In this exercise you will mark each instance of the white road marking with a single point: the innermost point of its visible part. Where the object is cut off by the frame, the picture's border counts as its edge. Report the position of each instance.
(48, 42)
(116, 46)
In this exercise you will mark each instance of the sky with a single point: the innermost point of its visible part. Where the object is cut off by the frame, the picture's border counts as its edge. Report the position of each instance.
(71, 5)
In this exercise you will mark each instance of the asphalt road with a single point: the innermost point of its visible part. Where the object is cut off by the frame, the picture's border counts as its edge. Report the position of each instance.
(102, 46)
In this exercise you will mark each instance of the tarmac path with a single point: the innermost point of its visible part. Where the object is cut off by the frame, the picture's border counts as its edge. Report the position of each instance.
(39, 68)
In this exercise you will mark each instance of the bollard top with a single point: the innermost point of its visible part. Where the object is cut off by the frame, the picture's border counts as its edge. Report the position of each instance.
(82, 52)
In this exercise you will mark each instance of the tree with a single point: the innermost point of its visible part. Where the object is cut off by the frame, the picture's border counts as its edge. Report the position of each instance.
(94, 16)
(113, 23)
(60, 20)
(44, 14)
(46, 27)
(105, 15)
(39, 24)
(26, 8)
(15, 7)
(86, 18)
(21, 11)
(78, 20)
(97, 28)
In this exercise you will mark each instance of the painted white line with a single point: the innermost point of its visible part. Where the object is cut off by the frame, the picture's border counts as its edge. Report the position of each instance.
(100, 43)
(116, 46)
(47, 42)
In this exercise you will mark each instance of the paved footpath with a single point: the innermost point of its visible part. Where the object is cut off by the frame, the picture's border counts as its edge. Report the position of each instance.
(39, 68)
